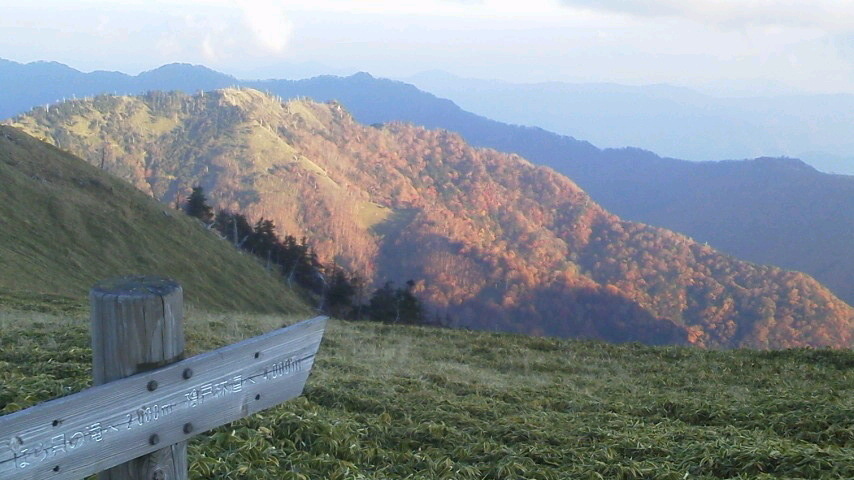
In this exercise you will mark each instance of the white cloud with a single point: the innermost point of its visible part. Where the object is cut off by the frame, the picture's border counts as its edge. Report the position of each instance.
(626, 41)
(269, 24)
(224, 33)
(208, 49)
(445, 8)
(832, 15)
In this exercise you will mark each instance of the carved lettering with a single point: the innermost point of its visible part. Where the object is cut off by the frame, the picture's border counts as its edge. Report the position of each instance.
(280, 369)
(57, 445)
(76, 440)
(65, 438)
(205, 390)
(95, 432)
(192, 398)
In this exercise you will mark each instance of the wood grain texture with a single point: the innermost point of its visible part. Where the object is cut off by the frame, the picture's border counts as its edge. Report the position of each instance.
(138, 325)
(103, 426)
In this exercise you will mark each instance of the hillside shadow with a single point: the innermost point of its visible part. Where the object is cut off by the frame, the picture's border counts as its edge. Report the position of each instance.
(396, 222)
(396, 251)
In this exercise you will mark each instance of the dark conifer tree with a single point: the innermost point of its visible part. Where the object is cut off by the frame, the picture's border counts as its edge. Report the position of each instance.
(234, 227)
(410, 307)
(263, 241)
(396, 305)
(309, 270)
(339, 293)
(382, 306)
(197, 206)
(359, 293)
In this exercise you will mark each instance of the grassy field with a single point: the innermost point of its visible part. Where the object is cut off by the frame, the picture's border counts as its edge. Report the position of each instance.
(389, 402)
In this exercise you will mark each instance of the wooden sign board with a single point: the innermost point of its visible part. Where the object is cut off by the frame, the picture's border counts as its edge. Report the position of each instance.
(101, 427)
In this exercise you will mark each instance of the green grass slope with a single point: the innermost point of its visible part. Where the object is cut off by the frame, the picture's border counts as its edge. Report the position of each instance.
(389, 402)
(65, 225)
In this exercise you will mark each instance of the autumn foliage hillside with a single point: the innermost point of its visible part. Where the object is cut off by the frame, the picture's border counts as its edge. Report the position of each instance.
(492, 241)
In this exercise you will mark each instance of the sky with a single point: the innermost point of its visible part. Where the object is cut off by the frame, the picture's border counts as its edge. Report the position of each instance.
(735, 46)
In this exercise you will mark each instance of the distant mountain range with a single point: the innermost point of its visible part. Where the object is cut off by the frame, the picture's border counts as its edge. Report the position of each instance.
(491, 240)
(23, 86)
(673, 121)
(770, 211)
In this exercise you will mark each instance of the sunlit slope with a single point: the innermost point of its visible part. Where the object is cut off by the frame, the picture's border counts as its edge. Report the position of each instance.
(389, 402)
(491, 240)
(768, 211)
(776, 211)
(65, 225)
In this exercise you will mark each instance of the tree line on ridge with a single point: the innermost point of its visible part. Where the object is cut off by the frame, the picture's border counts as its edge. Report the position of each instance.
(338, 292)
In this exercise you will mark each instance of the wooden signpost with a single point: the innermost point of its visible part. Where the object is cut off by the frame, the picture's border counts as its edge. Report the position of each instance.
(135, 425)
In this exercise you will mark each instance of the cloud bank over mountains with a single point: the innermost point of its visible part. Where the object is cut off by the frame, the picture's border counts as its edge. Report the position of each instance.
(823, 14)
(805, 46)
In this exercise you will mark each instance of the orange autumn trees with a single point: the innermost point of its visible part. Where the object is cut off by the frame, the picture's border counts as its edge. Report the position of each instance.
(491, 240)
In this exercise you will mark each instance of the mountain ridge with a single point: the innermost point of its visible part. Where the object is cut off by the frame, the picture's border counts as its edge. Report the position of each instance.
(696, 198)
(690, 197)
(491, 239)
(662, 117)
(23, 86)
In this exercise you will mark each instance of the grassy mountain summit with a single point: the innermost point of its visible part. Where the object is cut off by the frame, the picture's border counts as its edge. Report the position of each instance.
(492, 240)
(65, 225)
(387, 402)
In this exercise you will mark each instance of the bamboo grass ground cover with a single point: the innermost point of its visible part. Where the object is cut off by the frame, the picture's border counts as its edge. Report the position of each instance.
(389, 402)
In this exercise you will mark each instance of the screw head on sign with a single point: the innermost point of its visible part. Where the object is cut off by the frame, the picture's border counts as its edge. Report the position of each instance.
(188, 428)
(154, 439)
(188, 373)
(152, 385)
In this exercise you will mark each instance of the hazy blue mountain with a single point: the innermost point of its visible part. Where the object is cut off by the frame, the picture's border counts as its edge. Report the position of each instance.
(181, 76)
(378, 100)
(23, 86)
(672, 121)
(291, 70)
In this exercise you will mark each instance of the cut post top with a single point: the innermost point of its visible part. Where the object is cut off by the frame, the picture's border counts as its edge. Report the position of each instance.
(136, 285)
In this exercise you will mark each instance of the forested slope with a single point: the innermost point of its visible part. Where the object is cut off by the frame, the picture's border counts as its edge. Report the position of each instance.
(769, 210)
(491, 240)
(775, 211)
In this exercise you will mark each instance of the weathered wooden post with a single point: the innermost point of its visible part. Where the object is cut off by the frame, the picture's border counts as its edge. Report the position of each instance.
(137, 426)
(137, 325)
